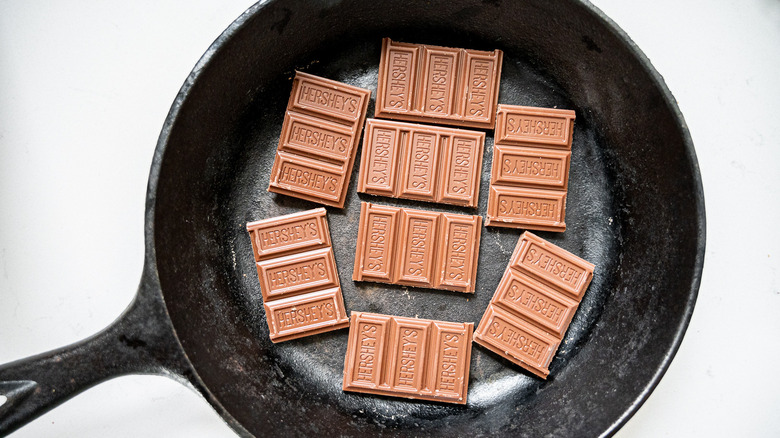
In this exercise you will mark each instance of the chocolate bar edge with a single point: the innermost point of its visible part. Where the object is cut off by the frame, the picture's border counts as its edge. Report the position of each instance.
(495, 222)
(336, 326)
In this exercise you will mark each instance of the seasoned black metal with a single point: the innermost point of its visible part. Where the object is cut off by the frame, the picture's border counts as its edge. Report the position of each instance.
(635, 209)
(141, 341)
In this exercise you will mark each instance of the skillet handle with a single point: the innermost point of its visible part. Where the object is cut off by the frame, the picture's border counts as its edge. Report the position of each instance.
(140, 341)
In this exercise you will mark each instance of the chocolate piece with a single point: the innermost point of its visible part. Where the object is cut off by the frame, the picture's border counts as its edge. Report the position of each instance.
(534, 303)
(526, 208)
(422, 162)
(530, 172)
(298, 276)
(433, 84)
(523, 295)
(516, 166)
(417, 248)
(536, 127)
(408, 357)
(293, 233)
(285, 276)
(319, 138)
(305, 315)
(550, 264)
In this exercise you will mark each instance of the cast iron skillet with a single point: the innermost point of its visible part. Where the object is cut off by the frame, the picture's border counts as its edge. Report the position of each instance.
(635, 209)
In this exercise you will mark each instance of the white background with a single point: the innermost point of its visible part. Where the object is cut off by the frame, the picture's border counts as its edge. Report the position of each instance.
(85, 87)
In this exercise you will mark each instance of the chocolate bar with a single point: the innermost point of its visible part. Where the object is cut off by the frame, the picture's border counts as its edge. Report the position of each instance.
(319, 138)
(298, 276)
(421, 162)
(432, 84)
(530, 172)
(534, 304)
(408, 357)
(417, 248)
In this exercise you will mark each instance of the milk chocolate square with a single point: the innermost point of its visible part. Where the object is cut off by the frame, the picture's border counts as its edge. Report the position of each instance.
(534, 303)
(530, 172)
(321, 130)
(433, 84)
(298, 276)
(417, 248)
(408, 357)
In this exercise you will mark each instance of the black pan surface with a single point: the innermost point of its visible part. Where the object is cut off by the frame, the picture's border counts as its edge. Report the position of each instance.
(635, 210)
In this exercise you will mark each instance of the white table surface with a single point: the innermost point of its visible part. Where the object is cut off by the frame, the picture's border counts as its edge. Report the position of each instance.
(84, 90)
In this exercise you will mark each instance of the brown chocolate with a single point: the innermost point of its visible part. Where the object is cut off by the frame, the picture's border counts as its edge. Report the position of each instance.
(553, 265)
(417, 248)
(408, 357)
(319, 138)
(433, 84)
(422, 162)
(530, 172)
(531, 209)
(298, 276)
(516, 166)
(534, 303)
(533, 126)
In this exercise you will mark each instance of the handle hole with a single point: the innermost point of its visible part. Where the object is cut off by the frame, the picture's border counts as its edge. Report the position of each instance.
(3, 399)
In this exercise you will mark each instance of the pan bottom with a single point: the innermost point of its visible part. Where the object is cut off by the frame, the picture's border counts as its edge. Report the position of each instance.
(312, 367)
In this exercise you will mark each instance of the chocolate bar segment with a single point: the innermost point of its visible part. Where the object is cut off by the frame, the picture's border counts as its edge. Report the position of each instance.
(368, 341)
(525, 296)
(530, 172)
(531, 167)
(526, 208)
(298, 276)
(305, 315)
(421, 162)
(408, 357)
(542, 127)
(451, 357)
(516, 340)
(306, 135)
(376, 246)
(418, 231)
(459, 237)
(289, 275)
(534, 304)
(310, 178)
(417, 248)
(553, 265)
(321, 130)
(433, 84)
(288, 234)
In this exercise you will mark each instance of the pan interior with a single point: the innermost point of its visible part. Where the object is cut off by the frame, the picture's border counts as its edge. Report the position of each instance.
(316, 363)
(624, 214)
